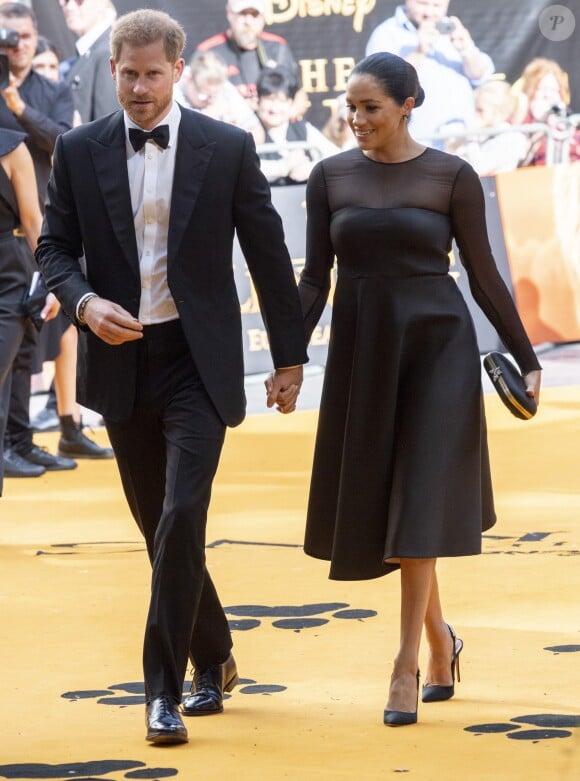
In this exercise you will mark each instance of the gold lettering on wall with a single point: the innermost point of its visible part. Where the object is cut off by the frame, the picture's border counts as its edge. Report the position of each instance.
(251, 304)
(257, 340)
(314, 75)
(342, 69)
(286, 10)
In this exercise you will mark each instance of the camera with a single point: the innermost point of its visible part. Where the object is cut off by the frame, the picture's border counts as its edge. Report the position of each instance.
(560, 110)
(445, 26)
(8, 40)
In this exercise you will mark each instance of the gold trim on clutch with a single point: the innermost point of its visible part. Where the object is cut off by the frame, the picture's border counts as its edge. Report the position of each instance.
(497, 376)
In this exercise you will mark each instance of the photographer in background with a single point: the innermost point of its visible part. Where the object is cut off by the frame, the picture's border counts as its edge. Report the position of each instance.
(30, 103)
(448, 63)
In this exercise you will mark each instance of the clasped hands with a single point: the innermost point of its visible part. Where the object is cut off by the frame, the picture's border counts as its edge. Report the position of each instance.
(283, 388)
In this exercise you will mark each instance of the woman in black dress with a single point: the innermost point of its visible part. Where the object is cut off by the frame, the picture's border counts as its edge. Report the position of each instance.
(18, 209)
(401, 472)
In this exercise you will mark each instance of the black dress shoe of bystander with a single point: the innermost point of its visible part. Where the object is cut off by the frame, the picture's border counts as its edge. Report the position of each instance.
(17, 466)
(41, 457)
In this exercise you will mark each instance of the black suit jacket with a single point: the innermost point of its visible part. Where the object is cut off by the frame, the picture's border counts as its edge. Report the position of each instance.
(218, 189)
(90, 79)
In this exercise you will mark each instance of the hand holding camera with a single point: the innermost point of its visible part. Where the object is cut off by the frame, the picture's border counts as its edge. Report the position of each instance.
(458, 34)
(445, 26)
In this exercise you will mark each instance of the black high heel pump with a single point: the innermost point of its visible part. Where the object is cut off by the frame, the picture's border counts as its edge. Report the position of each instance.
(399, 718)
(433, 692)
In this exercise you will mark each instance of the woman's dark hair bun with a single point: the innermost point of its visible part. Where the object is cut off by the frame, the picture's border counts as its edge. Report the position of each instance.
(397, 77)
(420, 97)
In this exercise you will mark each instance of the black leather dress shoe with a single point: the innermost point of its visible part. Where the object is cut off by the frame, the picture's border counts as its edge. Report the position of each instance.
(163, 720)
(208, 687)
(41, 457)
(17, 466)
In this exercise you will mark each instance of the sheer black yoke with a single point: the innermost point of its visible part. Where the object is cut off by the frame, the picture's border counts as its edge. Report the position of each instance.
(398, 219)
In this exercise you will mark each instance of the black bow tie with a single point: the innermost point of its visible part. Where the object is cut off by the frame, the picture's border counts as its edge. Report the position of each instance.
(138, 138)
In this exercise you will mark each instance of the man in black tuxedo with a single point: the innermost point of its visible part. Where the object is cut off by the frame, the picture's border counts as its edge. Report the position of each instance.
(151, 197)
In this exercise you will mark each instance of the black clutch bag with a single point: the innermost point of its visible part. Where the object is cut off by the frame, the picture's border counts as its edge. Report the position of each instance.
(510, 385)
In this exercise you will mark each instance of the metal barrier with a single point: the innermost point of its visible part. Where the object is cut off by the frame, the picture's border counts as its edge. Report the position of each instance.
(288, 146)
(558, 136)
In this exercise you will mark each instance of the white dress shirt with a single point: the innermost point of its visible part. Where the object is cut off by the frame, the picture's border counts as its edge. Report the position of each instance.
(151, 181)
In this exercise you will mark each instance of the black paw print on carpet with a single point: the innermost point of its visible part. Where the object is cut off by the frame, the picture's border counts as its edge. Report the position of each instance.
(294, 617)
(133, 692)
(548, 725)
(87, 771)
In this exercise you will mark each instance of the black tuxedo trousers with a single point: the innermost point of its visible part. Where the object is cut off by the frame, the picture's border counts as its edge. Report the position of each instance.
(167, 454)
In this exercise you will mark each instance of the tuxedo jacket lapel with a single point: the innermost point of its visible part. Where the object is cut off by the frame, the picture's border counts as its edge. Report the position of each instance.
(109, 156)
(194, 153)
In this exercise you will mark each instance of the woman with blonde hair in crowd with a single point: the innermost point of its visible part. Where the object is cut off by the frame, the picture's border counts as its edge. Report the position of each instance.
(501, 150)
(544, 92)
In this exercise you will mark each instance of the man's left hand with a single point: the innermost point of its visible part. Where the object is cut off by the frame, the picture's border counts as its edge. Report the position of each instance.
(283, 387)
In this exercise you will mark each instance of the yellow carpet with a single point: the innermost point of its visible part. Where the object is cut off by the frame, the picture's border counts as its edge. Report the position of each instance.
(315, 655)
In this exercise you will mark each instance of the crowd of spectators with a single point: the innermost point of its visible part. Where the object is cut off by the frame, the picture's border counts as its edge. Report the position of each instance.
(469, 109)
(248, 75)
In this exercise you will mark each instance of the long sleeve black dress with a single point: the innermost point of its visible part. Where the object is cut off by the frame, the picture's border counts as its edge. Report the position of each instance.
(401, 466)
